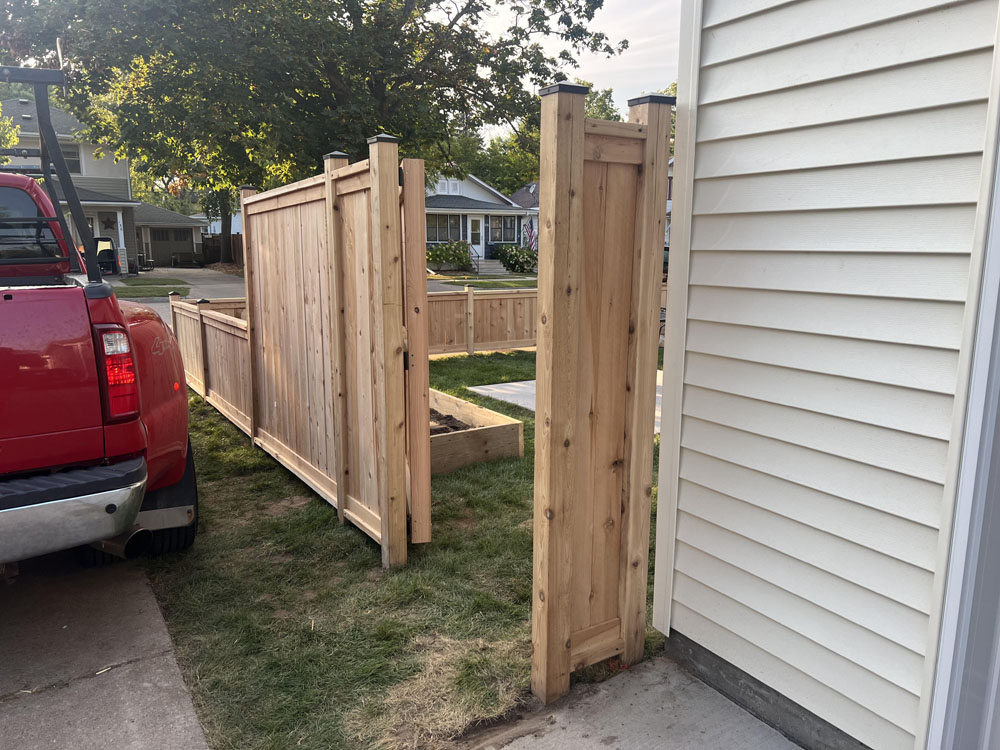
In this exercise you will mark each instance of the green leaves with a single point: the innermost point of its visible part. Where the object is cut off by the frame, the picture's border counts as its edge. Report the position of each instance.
(232, 92)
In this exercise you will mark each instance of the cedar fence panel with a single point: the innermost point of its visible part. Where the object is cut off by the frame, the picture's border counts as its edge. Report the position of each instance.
(311, 364)
(603, 205)
(497, 319)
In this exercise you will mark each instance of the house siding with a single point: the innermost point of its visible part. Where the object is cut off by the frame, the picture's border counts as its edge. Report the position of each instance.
(830, 158)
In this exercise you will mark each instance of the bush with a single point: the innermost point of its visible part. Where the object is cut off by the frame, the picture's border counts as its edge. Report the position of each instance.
(516, 259)
(449, 256)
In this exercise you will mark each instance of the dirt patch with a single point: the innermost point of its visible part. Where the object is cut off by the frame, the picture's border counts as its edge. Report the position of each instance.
(432, 709)
(442, 423)
(230, 268)
(466, 522)
(284, 505)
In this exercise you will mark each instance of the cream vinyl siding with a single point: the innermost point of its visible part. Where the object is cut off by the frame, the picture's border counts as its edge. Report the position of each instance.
(829, 163)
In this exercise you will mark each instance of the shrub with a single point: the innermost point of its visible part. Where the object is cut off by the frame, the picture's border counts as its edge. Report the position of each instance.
(454, 255)
(516, 259)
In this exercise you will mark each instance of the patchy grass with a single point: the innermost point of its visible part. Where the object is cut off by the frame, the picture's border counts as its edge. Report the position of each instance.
(139, 292)
(290, 634)
(152, 281)
(496, 283)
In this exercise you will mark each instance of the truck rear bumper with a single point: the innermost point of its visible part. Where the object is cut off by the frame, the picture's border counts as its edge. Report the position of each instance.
(51, 512)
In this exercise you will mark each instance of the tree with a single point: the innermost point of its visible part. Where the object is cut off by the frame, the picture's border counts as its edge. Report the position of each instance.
(172, 192)
(8, 134)
(232, 91)
(671, 90)
(600, 103)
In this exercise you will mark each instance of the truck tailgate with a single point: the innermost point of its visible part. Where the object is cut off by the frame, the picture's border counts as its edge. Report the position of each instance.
(50, 399)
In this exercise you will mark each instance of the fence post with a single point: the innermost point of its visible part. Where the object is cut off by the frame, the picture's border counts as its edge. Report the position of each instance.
(470, 319)
(201, 341)
(560, 261)
(173, 314)
(247, 192)
(387, 282)
(418, 374)
(652, 111)
(331, 163)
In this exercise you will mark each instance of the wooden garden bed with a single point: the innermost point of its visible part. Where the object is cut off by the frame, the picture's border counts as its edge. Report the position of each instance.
(490, 435)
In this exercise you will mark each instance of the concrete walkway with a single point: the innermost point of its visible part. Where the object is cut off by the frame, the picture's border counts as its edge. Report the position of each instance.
(654, 706)
(86, 662)
(522, 393)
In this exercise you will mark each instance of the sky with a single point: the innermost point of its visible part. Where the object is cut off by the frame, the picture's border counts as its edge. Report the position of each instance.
(650, 62)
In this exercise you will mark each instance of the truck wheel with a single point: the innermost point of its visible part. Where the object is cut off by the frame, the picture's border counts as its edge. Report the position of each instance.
(181, 537)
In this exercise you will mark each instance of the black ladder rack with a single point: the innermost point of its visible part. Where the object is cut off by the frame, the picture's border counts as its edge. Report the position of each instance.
(51, 156)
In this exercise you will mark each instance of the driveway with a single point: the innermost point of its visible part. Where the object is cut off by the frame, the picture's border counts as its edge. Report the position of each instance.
(86, 662)
(204, 283)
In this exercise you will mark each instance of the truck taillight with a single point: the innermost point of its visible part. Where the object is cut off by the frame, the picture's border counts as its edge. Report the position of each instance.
(121, 388)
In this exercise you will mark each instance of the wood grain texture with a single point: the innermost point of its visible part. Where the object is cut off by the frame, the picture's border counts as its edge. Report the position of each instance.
(418, 445)
(604, 204)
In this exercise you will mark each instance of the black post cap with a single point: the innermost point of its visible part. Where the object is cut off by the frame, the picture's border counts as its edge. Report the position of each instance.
(203, 301)
(652, 99)
(174, 294)
(564, 87)
(383, 138)
(248, 187)
(334, 155)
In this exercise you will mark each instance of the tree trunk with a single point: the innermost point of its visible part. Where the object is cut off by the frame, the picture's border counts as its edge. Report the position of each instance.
(226, 214)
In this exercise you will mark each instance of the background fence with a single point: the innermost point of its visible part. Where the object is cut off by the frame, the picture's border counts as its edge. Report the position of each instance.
(491, 319)
(479, 319)
(215, 347)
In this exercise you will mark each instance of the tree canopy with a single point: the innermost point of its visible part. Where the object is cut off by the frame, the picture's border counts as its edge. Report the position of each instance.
(230, 91)
(8, 134)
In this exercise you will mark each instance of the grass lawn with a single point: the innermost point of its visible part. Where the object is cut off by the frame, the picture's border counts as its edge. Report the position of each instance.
(139, 292)
(290, 634)
(496, 283)
(152, 281)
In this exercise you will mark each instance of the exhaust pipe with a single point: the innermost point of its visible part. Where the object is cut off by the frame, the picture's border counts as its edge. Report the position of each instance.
(127, 545)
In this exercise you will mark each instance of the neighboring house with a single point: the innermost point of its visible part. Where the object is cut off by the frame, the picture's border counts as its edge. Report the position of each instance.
(103, 184)
(214, 227)
(469, 209)
(828, 541)
(167, 235)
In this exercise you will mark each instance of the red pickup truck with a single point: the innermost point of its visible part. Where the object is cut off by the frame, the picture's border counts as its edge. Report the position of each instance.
(94, 446)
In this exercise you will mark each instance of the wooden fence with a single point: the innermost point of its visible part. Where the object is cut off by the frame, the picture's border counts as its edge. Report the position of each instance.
(215, 348)
(474, 320)
(312, 365)
(603, 204)
(491, 319)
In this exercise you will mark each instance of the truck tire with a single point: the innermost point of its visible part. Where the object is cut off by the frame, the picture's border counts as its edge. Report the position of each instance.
(164, 540)
(182, 537)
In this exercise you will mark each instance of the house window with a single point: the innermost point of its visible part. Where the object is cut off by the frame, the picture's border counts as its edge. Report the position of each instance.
(159, 235)
(503, 229)
(454, 187)
(444, 227)
(182, 235)
(71, 154)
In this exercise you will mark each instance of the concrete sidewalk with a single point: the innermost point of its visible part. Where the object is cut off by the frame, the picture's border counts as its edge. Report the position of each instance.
(654, 706)
(86, 662)
(522, 393)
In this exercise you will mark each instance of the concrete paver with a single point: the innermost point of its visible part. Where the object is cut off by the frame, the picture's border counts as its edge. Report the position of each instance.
(86, 662)
(654, 706)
